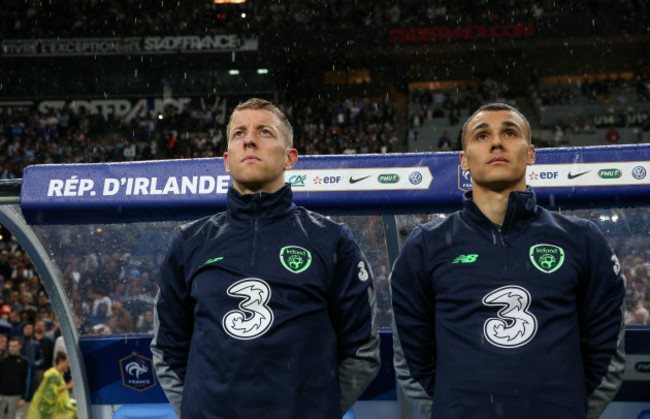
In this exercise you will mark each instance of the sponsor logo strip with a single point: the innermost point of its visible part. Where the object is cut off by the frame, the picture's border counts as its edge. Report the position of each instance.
(587, 174)
(368, 179)
(637, 367)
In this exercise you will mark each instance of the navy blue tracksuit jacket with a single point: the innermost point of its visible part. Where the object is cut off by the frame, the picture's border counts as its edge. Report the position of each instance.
(265, 310)
(522, 321)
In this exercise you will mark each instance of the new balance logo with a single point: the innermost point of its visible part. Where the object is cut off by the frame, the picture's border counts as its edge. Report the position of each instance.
(212, 260)
(466, 258)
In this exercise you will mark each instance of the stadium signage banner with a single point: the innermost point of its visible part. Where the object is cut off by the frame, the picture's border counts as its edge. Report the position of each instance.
(632, 118)
(393, 183)
(133, 45)
(462, 33)
(126, 109)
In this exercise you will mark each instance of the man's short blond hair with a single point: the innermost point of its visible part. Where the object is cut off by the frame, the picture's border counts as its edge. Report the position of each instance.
(286, 130)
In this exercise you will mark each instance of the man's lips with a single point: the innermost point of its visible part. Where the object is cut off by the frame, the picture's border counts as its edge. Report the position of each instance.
(498, 160)
(250, 158)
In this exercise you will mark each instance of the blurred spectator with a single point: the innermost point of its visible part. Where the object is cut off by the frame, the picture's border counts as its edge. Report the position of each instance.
(59, 346)
(16, 324)
(46, 342)
(3, 348)
(33, 352)
(612, 135)
(145, 322)
(14, 373)
(101, 306)
(120, 320)
(444, 142)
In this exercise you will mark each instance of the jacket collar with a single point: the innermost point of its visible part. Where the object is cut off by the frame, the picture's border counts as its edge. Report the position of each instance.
(521, 205)
(265, 206)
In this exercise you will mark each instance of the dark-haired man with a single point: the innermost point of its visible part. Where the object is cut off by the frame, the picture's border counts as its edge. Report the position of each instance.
(267, 310)
(13, 380)
(505, 309)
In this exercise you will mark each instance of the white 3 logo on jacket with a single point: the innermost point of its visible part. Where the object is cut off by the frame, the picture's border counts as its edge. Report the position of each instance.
(254, 317)
(515, 326)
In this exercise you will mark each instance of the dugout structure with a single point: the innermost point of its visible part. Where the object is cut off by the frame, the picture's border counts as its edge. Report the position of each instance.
(105, 228)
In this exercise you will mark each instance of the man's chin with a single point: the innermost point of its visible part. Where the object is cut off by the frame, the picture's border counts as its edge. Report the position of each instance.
(500, 185)
(248, 187)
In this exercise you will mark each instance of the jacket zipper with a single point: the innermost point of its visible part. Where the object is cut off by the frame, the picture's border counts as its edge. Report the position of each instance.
(256, 228)
(504, 247)
(504, 241)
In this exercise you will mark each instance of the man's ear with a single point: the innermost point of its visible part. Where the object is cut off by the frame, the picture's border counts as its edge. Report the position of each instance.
(226, 162)
(531, 155)
(291, 158)
(463, 161)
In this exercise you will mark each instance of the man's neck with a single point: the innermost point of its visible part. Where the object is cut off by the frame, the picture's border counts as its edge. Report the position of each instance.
(493, 204)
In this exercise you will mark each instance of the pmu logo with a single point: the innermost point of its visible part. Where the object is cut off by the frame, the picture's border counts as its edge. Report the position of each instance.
(609, 173)
(137, 372)
(297, 181)
(388, 178)
(643, 367)
(639, 172)
(543, 175)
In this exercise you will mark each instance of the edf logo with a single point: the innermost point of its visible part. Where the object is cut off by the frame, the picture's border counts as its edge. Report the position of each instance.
(327, 179)
(543, 175)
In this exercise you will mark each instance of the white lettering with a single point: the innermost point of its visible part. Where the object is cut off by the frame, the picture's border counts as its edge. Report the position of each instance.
(111, 186)
(129, 185)
(206, 184)
(222, 183)
(86, 185)
(189, 184)
(141, 185)
(70, 188)
(54, 189)
(154, 187)
(171, 186)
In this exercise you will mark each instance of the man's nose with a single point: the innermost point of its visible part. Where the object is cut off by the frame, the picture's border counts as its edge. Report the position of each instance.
(250, 139)
(497, 141)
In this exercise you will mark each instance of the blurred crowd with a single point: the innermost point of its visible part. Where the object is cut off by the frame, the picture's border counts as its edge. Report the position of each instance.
(27, 323)
(606, 90)
(350, 126)
(637, 298)
(452, 102)
(79, 18)
(110, 277)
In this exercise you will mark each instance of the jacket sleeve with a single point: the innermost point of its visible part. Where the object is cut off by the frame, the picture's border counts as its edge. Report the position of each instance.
(353, 311)
(414, 341)
(602, 323)
(173, 324)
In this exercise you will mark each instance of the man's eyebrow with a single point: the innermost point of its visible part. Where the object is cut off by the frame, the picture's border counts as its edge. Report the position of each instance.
(480, 126)
(511, 124)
